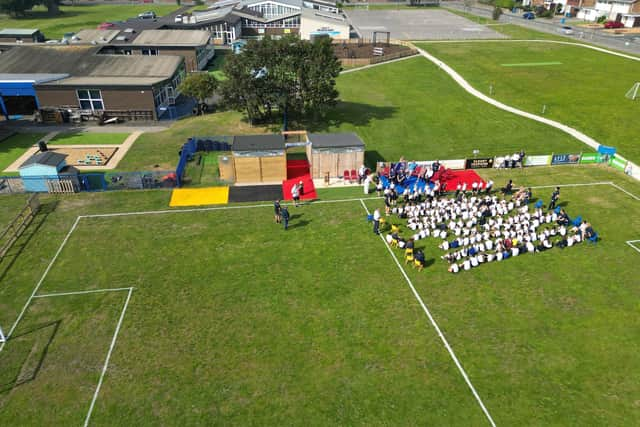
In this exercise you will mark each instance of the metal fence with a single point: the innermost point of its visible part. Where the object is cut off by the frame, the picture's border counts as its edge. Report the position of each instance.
(127, 181)
(200, 143)
(110, 181)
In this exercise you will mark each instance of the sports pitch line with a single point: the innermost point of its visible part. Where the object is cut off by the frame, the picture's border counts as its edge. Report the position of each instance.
(34, 294)
(436, 327)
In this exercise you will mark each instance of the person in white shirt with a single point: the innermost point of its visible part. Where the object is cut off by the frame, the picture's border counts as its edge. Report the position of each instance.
(530, 247)
(362, 173)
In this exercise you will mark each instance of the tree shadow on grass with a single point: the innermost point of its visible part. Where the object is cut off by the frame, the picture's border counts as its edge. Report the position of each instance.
(34, 358)
(23, 241)
(350, 113)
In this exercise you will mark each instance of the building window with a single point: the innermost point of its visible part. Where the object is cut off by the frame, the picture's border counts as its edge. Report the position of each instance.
(90, 99)
(150, 52)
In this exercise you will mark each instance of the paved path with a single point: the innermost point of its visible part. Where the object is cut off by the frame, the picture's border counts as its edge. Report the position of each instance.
(122, 150)
(567, 129)
(48, 137)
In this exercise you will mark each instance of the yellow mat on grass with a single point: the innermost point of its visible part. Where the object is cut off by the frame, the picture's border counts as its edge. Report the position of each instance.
(199, 196)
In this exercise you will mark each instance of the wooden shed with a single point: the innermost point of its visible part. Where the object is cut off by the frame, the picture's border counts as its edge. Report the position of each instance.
(259, 159)
(334, 153)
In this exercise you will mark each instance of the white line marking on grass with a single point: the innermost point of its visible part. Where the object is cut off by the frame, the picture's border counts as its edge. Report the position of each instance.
(436, 327)
(531, 64)
(44, 275)
(62, 294)
(216, 208)
(106, 362)
(625, 191)
(631, 243)
(573, 185)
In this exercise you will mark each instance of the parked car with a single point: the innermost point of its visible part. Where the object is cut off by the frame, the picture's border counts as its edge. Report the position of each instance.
(106, 26)
(566, 30)
(147, 15)
(613, 24)
(529, 15)
(178, 19)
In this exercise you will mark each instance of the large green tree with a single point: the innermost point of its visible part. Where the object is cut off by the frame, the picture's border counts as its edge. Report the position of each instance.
(53, 6)
(199, 86)
(16, 7)
(296, 77)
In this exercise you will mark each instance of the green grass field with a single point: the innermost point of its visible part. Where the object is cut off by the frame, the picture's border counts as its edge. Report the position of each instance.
(234, 321)
(14, 147)
(217, 63)
(411, 108)
(89, 138)
(594, 102)
(415, 111)
(76, 18)
(159, 150)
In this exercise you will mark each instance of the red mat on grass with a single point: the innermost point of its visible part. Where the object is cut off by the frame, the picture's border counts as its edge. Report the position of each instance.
(297, 168)
(452, 178)
(307, 182)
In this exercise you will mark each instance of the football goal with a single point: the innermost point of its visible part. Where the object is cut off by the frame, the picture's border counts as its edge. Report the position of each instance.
(2, 337)
(633, 93)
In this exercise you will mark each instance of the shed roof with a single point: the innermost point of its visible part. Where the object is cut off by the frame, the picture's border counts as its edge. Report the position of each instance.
(47, 158)
(8, 32)
(172, 38)
(335, 140)
(258, 142)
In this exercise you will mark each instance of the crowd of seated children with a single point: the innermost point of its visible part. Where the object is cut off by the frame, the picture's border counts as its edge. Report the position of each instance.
(484, 228)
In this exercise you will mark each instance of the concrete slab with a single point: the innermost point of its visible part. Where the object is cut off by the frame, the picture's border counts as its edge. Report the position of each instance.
(419, 25)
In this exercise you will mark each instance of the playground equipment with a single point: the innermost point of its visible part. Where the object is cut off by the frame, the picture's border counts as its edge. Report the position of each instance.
(381, 35)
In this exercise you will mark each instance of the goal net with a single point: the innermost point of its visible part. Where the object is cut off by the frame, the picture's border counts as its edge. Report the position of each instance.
(634, 92)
